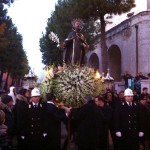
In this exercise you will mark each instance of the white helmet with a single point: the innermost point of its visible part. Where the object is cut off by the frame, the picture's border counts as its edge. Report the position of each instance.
(35, 92)
(128, 92)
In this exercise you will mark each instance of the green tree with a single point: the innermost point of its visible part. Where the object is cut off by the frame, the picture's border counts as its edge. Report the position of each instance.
(3, 40)
(16, 53)
(3, 14)
(13, 59)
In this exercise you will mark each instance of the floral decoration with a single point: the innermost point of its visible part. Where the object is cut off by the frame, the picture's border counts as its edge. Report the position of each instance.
(71, 84)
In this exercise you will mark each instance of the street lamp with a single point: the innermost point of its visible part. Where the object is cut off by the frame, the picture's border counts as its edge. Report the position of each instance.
(29, 81)
(108, 80)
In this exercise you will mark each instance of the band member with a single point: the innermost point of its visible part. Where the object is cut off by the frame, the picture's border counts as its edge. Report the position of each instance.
(34, 128)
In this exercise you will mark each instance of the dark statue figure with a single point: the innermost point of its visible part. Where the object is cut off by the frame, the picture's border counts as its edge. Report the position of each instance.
(75, 45)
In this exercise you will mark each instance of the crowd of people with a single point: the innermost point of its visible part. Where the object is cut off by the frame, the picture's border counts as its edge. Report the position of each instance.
(112, 121)
(105, 122)
(134, 82)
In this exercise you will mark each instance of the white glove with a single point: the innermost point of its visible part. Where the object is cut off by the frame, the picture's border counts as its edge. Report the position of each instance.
(118, 134)
(22, 137)
(141, 134)
(44, 134)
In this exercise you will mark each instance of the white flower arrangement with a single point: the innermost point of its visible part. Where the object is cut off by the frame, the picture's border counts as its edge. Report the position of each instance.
(54, 38)
(73, 83)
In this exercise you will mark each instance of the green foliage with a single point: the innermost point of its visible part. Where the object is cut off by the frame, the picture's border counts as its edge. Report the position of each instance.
(95, 8)
(13, 58)
(72, 84)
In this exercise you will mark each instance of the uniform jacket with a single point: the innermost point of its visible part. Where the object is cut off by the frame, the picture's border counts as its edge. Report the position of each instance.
(34, 126)
(128, 121)
(35, 120)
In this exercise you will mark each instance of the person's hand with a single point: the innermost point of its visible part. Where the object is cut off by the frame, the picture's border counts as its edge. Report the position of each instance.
(141, 134)
(86, 47)
(44, 134)
(62, 45)
(118, 134)
(68, 110)
(22, 137)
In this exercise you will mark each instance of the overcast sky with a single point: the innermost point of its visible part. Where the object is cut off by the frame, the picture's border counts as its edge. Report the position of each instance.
(30, 17)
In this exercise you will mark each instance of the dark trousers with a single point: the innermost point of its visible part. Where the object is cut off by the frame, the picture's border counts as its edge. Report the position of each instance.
(21, 144)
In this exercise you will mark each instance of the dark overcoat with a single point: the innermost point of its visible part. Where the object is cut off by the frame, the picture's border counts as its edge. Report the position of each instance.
(19, 115)
(90, 121)
(53, 124)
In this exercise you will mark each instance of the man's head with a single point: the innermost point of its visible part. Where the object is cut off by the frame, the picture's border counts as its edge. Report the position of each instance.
(7, 100)
(145, 90)
(77, 24)
(35, 95)
(121, 95)
(50, 97)
(143, 100)
(99, 101)
(128, 94)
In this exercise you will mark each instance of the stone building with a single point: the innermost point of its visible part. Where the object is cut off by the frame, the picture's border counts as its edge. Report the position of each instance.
(128, 45)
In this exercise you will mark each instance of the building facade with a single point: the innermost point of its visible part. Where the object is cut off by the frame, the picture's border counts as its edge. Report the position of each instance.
(128, 46)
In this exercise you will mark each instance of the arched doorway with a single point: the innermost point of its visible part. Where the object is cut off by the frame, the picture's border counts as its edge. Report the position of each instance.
(114, 57)
(93, 61)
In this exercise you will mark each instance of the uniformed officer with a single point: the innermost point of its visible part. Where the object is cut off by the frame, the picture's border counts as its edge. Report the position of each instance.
(34, 123)
(127, 122)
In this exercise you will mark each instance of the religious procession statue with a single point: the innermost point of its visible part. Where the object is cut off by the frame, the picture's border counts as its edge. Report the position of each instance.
(75, 44)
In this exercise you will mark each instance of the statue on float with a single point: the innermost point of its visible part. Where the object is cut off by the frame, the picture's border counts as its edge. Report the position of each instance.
(75, 45)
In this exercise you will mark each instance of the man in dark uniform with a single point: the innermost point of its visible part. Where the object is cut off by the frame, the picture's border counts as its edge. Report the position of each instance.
(127, 122)
(34, 123)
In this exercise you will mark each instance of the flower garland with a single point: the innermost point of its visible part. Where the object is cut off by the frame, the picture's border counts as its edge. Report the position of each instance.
(72, 84)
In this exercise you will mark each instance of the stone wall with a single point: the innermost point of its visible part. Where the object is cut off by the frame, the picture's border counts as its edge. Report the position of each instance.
(130, 36)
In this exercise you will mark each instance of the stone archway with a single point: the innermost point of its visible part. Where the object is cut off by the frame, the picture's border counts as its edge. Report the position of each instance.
(93, 61)
(114, 57)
